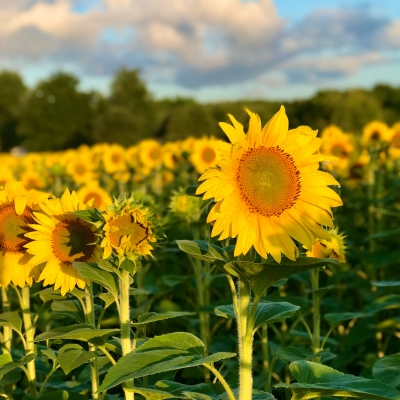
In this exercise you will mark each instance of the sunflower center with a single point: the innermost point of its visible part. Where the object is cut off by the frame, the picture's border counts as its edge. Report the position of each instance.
(73, 241)
(155, 154)
(375, 136)
(396, 141)
(97, 199)
(208, 155)
(13, 228)
(80, 169)
(268, 180)
(116, 158)
(338, 151)
(126, 226)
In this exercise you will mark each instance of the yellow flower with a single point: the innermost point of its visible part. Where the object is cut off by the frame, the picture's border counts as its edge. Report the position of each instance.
(374, 133)
(132, 156)
(6, 175)
(268, 189)
(171, 153)
(355, 171)
(81, 170)
(60, 238)
(32, 180)
(205, 154)
(128, 229)
(93, 191)
(334, 247)
(150, 153)
(185, 207)
(114, 159)
(16, 213)
(394, 140)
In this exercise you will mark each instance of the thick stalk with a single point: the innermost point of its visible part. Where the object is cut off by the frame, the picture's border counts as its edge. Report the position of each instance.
(7, 331)
(30, 337)
(316, 338)
(265, 356)
(89, 317)
(125, 320)
(245, 336)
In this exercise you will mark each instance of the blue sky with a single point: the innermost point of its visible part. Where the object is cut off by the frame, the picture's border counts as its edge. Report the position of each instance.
(211, 50)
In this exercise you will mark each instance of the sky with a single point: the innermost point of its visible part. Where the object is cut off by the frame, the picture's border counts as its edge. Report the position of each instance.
(211, 50)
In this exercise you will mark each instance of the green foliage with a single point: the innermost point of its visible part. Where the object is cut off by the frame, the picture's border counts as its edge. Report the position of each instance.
(72, 356)
(387, 370)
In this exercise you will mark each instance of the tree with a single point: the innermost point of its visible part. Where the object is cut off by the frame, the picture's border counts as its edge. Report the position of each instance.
(12, 90)
(56, 115)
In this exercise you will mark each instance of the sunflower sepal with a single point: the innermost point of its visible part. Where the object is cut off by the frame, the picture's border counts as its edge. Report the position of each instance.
(261, 276)
(91, 215)
(205, 251)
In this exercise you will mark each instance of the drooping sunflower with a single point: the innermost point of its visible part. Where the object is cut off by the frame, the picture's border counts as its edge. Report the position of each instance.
(60, 238)
(374, 133)
(205, 154)
(129, 229)
(16, 213)
(92, 191)
(268, 189)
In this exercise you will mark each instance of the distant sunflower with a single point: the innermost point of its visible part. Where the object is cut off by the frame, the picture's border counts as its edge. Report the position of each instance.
(60, 238)
(339, 145)
(32, 180)
(205, 154)
(150, 153)
(394, 140)
(374, 133)
(114, 159)
(81, 170)
(16, 213)
(6, 175)
(129, 229)
(268, 188)
(92, 191)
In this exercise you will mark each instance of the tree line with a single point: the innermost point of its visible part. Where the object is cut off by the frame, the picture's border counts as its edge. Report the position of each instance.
(55, 114)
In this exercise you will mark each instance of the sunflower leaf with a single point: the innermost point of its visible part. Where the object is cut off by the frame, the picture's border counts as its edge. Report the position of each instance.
(319, 380)
(149, 317)
(160, 354)
(70, 308)
(11, 319)
(72, 356)
(262, 275)
(91, 215)
(387, 370)
(204, 251)
(92, 272)
(9, 366)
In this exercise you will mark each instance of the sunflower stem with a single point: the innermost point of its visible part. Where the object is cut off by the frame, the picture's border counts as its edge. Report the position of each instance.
(316, 337)
(245, 339)
(89, 317)
(7, 335)
(125, 321)
(30, 337)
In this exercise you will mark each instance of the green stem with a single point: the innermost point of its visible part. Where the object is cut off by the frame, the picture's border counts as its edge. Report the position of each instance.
(30, 337)
(49, 375)
(265, 355)
(316, 338)
(89, 317)
(245, 336)
(125, 320)
(7, 335)
(109, 356)
(224, 383)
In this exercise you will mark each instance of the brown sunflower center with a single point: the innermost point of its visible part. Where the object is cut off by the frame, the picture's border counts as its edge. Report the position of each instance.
(116, 158)
(13, 228)
(208, 155)
(155, 154)
(338, 150)
(127, 227)
(375, 136)
(73, 240)
(80, 169)
(268, 180)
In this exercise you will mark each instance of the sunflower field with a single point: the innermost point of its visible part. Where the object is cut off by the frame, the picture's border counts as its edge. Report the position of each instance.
(261, 267)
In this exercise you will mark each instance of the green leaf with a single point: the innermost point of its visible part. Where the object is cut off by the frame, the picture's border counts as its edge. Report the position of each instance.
(9, 366)
(55, 395)
(11, 319)
(387, 370)
(83, 332)
(390, 301)
(49, 294)
(92, 272)
(386, 284)
(336, 319)
(5, 359)
(256, 395)
(70, 308)
(146, 318)
(72, 356)
(160, 354)
(191, 191)
(49, 353)
(267, 312)
(91, 215)
(129, 266)
(319, 380)
(203, 250)
(108, 299)
(292, 353)
(174, 390)
(261, 276)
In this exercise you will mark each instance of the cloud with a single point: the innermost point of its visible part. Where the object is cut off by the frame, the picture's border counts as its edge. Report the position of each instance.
(194, 43)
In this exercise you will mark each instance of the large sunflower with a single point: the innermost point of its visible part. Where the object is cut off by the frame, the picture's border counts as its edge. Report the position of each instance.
(129, 229)
(16, 213)
(60, 238)
(268, 189)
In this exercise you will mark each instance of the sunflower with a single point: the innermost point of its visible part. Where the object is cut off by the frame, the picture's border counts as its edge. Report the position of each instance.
(334, 247)
(268, 189)
(81, 170)
(171, 153)
(60, 238)
(93, 191)
(32, 180)
(374, 133)
(394, 140)
(205, 154)
(129, 229)
(185, 207)
(16, 213)
(150, 153)
(114, 159)
(6, 175)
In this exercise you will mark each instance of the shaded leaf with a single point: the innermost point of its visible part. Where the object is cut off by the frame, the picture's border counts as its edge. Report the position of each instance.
(9, 366)
(159, 354)
(387, 370)
(203, 250)
(11, 319)
(153, 317)
(386, 284)
(336, 319)
(70, 308)
(72, 356)
(55, 395)
(297, 353)
(319, 380)
(50, 353)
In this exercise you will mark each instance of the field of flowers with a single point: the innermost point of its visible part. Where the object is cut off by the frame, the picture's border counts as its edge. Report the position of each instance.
(262, 267)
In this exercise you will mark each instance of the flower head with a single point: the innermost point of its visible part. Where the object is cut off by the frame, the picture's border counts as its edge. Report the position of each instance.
(334, 247)
(186, 207)
(268, 189)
